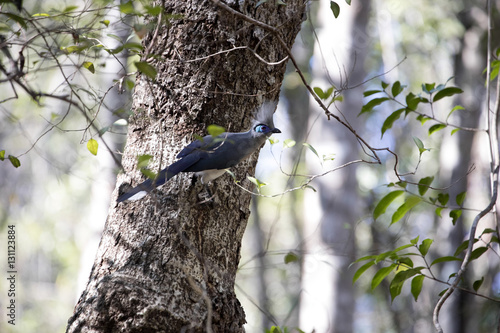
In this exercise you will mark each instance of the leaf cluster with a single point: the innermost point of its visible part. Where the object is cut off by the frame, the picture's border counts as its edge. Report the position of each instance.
(409, 104)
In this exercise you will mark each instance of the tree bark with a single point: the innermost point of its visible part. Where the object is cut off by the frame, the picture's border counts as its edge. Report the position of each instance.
(167, 263)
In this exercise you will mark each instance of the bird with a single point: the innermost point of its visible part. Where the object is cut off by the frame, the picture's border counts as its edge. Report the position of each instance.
(210, 156)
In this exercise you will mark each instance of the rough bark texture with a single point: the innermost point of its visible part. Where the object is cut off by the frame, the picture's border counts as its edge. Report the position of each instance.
(167, 263)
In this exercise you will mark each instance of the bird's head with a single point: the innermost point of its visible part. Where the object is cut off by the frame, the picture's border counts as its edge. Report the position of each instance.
(265, 129)
(263, 124)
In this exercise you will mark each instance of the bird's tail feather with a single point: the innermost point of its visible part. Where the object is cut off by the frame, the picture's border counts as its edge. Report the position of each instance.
(147, 186)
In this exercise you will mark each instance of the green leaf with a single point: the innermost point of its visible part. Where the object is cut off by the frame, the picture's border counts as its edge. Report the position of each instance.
(348, 2)
(130, 84)
(423, 185)
(405, 261)
(273, 140)
(395, 287)
(143, 161)
(436, 127)
(488, 231)
(361, 270)
(412, 101)
(329, 157)
(458, 107)
(329, 92)
(127, 8)
(455, 214)
(311, 148)
(428, 87)
(14, 161)
(384, 84)
(40, 15)
(381, 275)
(443, 198)
(463, 246)
(291, 257)
(105, 22)
(478, 252)
(257, 182)
(90, 66)
(495, 67)
(69, 9)
(339, 98)
(398, 281)
(2, 155)
(215, 130)
(153, 10)
(460, 198)
(414, 241)
(335, 8)
(16, 18)
(146, 69)
(370, 257)
(445, 259)
(148, 173)
(443, 291)
(402, 184)
(477, 284)
(385, 202)
(416, 286)
(92, 146)
(322, 94)
(385, 255)
(446, 92)
(403, 247)
(424, 247)
(423, 119)
(319, 92)
(420, 145)
(390, 120)
(373, 103)
(132, 46)
(371, 92)
(74, 48)
(288, 143)
(438, 211)
(232, 175)
(397, 88)
(309, 186)
(409, 203)
(454, 131)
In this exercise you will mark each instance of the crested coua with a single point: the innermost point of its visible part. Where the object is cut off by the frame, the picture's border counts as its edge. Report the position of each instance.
(210, 156)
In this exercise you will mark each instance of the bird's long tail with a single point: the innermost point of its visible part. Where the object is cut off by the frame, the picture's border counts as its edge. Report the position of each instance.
(141, 190)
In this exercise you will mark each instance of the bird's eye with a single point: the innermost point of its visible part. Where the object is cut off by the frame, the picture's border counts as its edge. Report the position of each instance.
(261, 128)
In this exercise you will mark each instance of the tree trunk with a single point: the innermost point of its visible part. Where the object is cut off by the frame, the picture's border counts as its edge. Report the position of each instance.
(328, 303)
(167, 263)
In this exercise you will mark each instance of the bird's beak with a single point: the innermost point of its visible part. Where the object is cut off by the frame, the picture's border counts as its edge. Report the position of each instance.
(276, 130)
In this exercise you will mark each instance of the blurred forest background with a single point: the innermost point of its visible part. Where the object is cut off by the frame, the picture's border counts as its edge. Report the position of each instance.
(295, 269)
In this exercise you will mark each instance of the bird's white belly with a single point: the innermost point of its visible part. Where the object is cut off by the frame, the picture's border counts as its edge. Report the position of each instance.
(209, 175)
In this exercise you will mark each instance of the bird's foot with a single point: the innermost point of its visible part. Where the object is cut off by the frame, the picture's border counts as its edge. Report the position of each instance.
(206, 196)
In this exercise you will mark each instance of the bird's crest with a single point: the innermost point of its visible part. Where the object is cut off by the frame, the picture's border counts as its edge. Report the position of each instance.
(265, 114)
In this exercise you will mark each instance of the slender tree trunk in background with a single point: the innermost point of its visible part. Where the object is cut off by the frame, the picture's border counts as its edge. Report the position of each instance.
(167, 263)
(343, 212)
(340, 207)
(469, 63)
